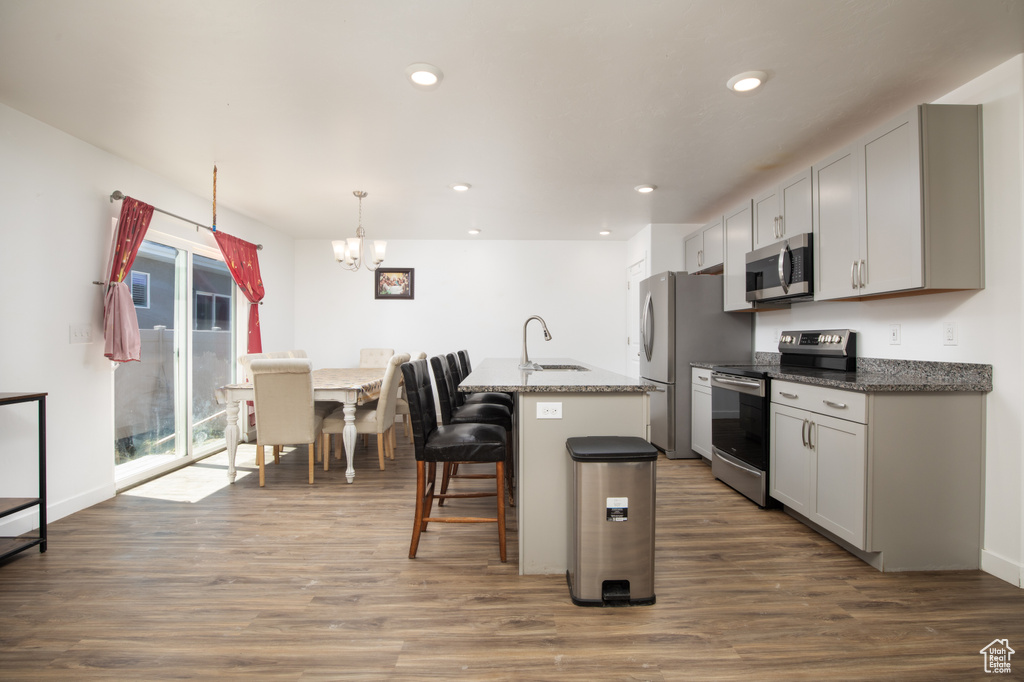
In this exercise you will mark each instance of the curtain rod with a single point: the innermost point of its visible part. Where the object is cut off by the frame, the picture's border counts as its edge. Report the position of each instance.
(118, 195)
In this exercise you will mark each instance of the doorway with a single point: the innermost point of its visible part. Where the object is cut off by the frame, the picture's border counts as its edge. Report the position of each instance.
(165, 411)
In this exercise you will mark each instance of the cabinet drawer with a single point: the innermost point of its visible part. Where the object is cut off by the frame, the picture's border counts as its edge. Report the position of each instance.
(701, 377)
(848, 405)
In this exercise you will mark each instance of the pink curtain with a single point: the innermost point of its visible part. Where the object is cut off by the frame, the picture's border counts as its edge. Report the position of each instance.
(121, 341)
(244, 265)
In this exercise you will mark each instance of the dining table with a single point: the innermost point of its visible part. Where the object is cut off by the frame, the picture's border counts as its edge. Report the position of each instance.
(349, 386)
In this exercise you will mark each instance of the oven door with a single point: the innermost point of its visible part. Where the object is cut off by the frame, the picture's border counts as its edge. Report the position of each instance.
(739, 418)
(739, 434)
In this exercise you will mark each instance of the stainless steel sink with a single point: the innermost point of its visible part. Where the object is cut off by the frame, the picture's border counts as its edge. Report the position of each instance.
(564, 368)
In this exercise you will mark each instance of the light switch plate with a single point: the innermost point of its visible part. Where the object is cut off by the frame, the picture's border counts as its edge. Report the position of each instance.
(79, 333)
(549, 410)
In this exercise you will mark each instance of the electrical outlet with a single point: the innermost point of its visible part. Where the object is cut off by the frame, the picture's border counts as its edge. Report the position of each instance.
(79, 333)
(549, 410)
(949, 334)
(894, 334)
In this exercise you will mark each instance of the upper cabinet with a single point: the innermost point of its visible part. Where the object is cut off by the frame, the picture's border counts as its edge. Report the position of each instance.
(783, 211)
(704, 248)
(901, 209)
(737, 223)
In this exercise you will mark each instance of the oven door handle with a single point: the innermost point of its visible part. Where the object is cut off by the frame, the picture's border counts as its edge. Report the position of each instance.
(729, 382)
(748, 383)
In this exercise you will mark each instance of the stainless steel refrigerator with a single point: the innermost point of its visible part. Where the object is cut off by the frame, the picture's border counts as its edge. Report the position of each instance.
(681, 321)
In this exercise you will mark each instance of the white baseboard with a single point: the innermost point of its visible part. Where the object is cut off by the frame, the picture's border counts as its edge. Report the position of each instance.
(1002, 568)
(28, 520)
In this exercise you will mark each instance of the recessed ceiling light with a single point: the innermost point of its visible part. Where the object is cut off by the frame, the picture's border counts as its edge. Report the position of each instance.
(645, 189)
(474, 231)
(424, 76)
(605, 233)
(460, 186)
(746, 81)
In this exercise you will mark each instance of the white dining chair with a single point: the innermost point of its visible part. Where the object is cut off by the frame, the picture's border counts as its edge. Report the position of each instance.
(376, 418)
(375, 357)
(402, 402)
(283, 395)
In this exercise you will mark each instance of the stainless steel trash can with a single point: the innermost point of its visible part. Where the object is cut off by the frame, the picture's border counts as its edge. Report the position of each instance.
(611, 551)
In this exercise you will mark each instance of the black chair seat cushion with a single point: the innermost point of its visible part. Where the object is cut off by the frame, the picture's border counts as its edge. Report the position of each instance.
(490, 397)
(483, 413)
(465, 443)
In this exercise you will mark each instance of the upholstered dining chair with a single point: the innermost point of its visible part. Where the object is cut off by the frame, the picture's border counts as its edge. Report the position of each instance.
(375, 357)
(447, 444)
(402, 404)
(376, 418)
(283, 395)
(459, 398)
(476, 413)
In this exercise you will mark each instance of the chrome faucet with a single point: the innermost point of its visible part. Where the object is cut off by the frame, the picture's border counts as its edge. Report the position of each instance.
(525, 360)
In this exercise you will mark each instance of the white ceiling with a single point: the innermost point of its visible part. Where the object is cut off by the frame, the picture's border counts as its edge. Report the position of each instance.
(552, 109)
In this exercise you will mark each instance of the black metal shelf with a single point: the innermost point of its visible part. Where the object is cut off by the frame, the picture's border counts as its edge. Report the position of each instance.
(13, 505)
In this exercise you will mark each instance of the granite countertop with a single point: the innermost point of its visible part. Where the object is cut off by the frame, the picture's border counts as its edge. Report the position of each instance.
(504, 375)
(878, 375)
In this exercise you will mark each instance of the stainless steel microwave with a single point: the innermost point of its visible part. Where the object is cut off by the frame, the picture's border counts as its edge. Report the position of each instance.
(783, 271)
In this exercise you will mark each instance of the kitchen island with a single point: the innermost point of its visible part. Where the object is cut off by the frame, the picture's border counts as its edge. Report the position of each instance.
(565, 400)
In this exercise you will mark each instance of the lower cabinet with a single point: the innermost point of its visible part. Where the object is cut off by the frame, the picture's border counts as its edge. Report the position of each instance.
(700, 406)
(895, 477)
(819, 470)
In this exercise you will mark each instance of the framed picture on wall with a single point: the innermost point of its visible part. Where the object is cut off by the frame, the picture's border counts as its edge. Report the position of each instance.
(394, 283)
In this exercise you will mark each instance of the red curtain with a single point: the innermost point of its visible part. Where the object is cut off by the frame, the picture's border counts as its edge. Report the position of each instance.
(121, 341)
(244, 265)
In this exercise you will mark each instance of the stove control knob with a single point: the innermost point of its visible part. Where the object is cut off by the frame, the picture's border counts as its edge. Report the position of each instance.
(821, 338)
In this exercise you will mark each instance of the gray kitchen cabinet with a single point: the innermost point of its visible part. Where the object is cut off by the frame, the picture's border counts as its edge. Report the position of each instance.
(915, 220)
(704, 249)
(737, 224)
(818, 470)
(783, 211)
(894, 477)
(700, 408)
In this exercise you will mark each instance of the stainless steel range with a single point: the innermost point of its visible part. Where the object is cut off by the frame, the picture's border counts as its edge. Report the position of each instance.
(740, 424)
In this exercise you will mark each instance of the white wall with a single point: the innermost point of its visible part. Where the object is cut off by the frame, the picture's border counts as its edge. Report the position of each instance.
(472, 295)
(988, 321)
(54, 235)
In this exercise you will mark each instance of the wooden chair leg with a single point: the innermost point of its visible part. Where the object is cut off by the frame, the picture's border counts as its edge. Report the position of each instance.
(337, 446)
(447, 471)
(380, 450)
(259, 462)
(393, 439)
(277, 454)
(500, 482)
(408, 427)
(421, 493)
(312, 456)
(325, 449)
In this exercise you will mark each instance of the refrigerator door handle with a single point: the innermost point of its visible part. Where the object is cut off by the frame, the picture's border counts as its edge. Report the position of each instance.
(647, 339)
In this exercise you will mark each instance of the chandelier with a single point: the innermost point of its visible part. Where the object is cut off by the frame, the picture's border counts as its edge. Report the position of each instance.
(350, 252)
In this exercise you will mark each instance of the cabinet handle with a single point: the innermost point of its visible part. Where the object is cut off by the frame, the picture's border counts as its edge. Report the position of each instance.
(703, 378)
(853, 275)
(810, 432)
(860, 275)
(782, 226)
(778, 233)
(791, 396)
(838, 406)
(700, 258)
(803, 433)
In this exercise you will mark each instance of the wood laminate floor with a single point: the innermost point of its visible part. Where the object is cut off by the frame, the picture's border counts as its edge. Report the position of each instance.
(189, 578)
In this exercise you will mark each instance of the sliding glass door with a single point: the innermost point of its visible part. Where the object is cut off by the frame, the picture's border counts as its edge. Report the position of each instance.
(165, 411)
